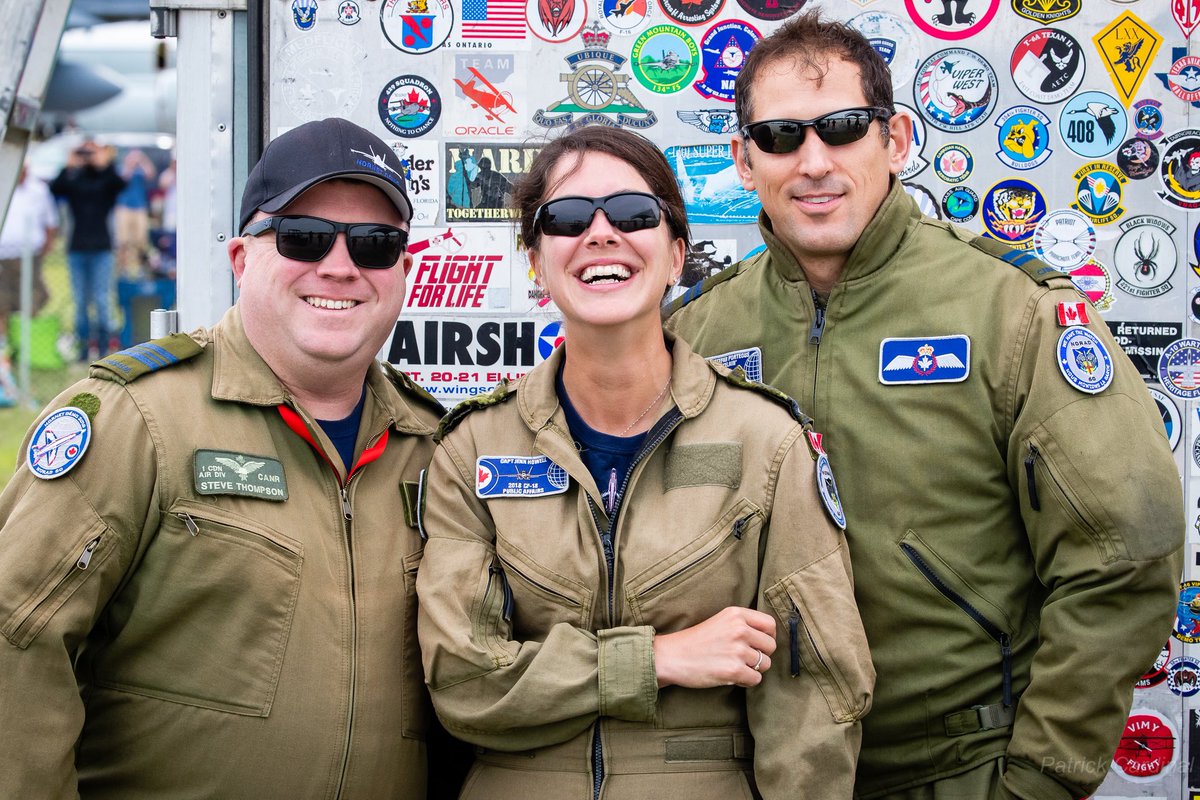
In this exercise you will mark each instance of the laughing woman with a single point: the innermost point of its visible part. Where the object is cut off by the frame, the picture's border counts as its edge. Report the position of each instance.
(630, 588)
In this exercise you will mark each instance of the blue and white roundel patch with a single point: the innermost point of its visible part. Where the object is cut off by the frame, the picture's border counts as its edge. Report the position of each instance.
(518, 476)
(1084, 360)
(59, 443)
(829, 493)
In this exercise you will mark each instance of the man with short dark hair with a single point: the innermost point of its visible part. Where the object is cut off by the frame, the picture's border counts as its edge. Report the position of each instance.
(208, 558)
(1014, 514)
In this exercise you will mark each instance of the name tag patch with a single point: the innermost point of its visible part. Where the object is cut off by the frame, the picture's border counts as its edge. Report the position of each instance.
(224, 472)
(928, 359)
(518, 476)
(749, 359)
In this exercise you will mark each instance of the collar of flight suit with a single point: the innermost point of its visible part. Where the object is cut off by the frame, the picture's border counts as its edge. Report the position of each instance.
(240, 375)
(898, 214)
(693, 381)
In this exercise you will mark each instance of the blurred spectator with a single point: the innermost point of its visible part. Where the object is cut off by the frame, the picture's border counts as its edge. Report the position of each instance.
(132, 216)
(89, 185)
(29, 227)
(166, 184)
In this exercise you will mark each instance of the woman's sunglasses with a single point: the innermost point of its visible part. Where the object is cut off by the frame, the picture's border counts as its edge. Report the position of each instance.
(626, 211)
(371, 245)
(835, 129)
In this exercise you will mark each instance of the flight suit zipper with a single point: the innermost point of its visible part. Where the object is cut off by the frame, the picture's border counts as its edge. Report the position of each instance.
(21, 635)
(736, 532)
(1030, 461)
(818, 326)
(992, 629)
(654, 438)
(495, 571)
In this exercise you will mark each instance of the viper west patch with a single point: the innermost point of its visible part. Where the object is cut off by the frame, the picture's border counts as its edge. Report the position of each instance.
(226, 472)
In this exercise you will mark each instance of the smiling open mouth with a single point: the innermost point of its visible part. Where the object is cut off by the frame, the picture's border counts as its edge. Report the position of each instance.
(608, 273)
(337, 305)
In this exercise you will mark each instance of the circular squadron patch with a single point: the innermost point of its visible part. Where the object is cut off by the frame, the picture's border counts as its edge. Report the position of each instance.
(1179, 374)
(829, 493)
(956, 89)
(665, 59)
(59, 443)
(960, 204)
(953, 163)
(1064, 239)
(1093, 124)
(1084, 360)
(1137, 158)
(409, 106)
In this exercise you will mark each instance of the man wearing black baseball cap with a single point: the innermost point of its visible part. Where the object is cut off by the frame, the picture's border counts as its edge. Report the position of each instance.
(207, 560)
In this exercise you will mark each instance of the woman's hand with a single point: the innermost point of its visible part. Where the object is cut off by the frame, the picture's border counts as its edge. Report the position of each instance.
(732, 647)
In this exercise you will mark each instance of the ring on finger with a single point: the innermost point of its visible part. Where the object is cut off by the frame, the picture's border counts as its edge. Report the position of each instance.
(758, 663)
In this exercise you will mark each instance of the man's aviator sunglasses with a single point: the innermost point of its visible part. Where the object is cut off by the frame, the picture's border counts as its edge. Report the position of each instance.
(371, 245)
(835, 129)
(626, 211)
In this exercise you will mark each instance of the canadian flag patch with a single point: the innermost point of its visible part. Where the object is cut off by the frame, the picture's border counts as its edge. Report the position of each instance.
(1072, 314)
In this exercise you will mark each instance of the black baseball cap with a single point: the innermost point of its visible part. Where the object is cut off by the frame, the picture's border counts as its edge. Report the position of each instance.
(319, 151)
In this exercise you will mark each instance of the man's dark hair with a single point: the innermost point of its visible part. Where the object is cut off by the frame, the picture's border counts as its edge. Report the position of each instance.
(811, 42)
(533, 188)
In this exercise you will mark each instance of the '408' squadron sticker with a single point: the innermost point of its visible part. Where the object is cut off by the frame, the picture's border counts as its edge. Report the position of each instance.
(1179, 169)
(1092, 124)
(1145, 256)
(956, 89)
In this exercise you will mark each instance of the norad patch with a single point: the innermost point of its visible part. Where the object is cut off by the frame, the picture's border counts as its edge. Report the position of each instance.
(224, 472)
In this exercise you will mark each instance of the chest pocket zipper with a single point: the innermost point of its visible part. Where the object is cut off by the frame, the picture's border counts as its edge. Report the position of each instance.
(992, 629)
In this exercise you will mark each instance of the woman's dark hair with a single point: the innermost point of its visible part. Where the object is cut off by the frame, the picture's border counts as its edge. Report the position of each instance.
(533, 188)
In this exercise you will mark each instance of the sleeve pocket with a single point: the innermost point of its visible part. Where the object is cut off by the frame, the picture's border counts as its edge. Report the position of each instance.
(824, 635)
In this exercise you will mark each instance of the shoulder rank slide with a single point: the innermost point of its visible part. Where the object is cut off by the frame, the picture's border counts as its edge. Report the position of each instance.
(518, 476)
(142, 359)
(455, 415)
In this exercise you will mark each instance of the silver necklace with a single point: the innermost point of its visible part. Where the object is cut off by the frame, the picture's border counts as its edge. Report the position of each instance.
(653, 404)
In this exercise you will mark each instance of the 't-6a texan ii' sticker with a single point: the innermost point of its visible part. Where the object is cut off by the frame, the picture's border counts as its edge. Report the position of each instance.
(596, 92)
(416, 26)
(1148, 747)
(1092, 124)
(1047, 10)
(1012, 209)
(1172, 424)
(952, 19)
(409, 106)
(956, 89)
(518, 476)
(894, 40)
(59, 443)
(1024, 137)
(1064, 239)
(953, 163)
(1047, 65)
(1145, 256)
(829, 493)
(1127, 48)
(710, 184)
(1179, 169)
(664, 59)
(1148, 119)
(724, 47)
(1084, 360)
(931, 359)
(1099, 189)
(1179, 369)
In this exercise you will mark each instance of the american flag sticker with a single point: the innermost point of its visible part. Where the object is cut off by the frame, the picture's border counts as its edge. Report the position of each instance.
(493, 19)
(1072, 314)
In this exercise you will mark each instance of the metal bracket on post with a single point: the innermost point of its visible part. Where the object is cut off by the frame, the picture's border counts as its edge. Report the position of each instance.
(163, 323)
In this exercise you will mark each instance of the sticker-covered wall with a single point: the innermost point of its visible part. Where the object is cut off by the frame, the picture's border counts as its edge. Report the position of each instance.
(1066, 127)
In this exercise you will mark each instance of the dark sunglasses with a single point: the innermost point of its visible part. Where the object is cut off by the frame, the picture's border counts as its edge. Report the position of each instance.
(835, 129)
(371, 245)
(626, 211)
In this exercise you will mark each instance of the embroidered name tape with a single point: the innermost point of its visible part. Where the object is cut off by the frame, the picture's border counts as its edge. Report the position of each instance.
(930, 359)
(749, 359)
(223, 472)
(59, 443)
(1084, 361)
(518, 476)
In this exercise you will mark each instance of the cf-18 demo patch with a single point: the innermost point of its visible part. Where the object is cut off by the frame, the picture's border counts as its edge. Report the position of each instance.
(59, 443)
(933, 359)
(518, 476)
(1084, 360)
